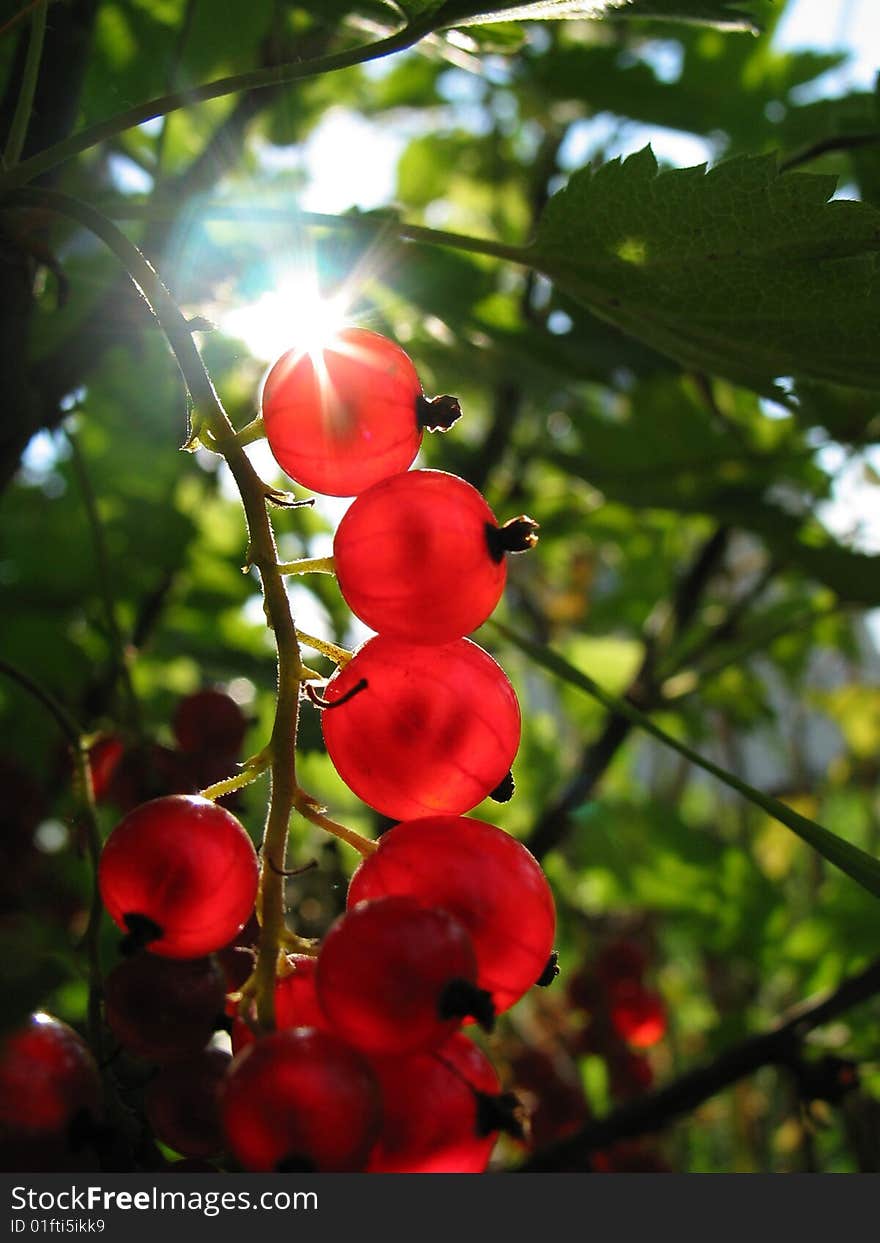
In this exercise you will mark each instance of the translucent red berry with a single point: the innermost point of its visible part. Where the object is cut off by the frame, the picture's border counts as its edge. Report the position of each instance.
(420, 557)
(343, 418)
(434, 729)
(301, 1100)
(161, 1009)
(180, 875)
(182, 1103)
(296, 1002)
(637, 1014)
(396, 977)
(440, 1111)
(209, 721)
(485, 878)
(49, 1084)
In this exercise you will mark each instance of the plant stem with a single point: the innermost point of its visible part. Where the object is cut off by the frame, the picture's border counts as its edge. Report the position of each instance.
(854, 862)
(309, 565)
(208, 413)
(102, 563)
(24, 106)
(339, 655)
(374, 222)
(361, 844)
(52, 156)
(650, 1113)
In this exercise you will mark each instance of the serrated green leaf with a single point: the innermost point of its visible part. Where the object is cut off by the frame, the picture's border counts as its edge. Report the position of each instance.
(741, 271)
(856, 863)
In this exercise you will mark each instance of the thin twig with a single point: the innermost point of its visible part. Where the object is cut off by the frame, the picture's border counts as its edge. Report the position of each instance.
(652, 1112)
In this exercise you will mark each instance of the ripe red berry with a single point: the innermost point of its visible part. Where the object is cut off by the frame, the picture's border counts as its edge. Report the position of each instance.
(180, 874)
(301, 1100)
(209, 721)
(296, 1002)
(396, 977)
(435, 729)
(440, 1111)
(342, 419)
(161, 1009)
(182, 1103)
(637, 1014)
(485, 878)
(49, 1083)
(420, 557)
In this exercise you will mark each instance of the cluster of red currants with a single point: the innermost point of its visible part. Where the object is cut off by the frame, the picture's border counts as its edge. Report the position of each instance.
(449, 920)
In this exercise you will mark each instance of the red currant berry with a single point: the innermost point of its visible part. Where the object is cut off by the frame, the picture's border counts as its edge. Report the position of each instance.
(485, 878)
(637, 1014)
(396, 977)
(209, 721)
(435, 729)
(179, 874)
(420, 557)
(301, 1100)
(161, 1009)
(296, 1002)
(441, 1111)
(340, 420)
(49, 1083)
(182, 1103)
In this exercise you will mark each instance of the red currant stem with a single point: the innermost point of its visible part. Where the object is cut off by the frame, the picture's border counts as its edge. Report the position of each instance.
(309, 565)
(105, 579)
(237, 782)
(339, 655)
(208, 412)
(86, 797)
(307, 808)
(251, 432)
(24, 106)
(84, 139)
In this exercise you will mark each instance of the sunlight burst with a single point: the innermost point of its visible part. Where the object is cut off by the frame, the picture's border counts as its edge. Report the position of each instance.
(294, 315)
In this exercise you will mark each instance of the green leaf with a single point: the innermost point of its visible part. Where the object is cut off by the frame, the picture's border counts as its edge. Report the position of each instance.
(707, 12)
(858, 865)
(741, 271)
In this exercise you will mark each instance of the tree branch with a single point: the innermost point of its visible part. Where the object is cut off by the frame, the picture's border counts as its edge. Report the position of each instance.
(654, 1111)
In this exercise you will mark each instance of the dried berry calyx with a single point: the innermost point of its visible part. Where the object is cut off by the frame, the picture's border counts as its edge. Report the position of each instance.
(437, 414)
